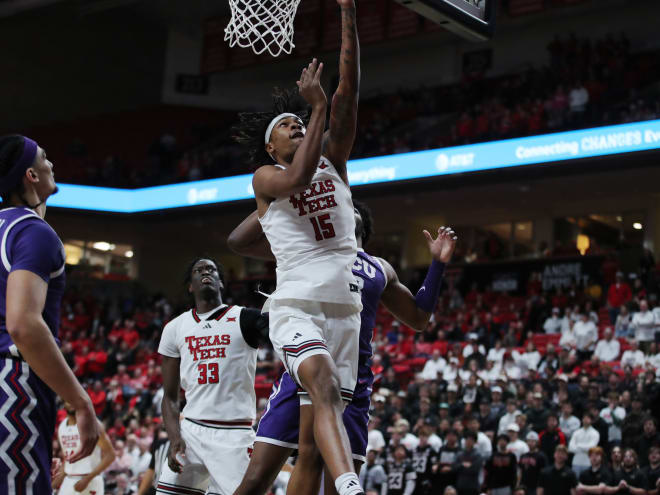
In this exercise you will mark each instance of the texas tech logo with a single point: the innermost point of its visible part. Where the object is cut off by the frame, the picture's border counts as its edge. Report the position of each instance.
(308, 202)
(208, 346)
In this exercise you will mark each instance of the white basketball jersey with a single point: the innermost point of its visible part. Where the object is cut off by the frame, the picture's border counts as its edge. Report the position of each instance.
(312, 235)
(217, 365)
(70, 443)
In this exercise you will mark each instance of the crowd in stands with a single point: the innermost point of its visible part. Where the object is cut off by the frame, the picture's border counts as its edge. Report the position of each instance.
(585, 83)
(501, 392)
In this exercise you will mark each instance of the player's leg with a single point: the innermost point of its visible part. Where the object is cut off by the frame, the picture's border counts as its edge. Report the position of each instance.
(277, 438)
(306, 477)
(356, 420)
(329, 485)
(265, 464)
(297, 332)
(318, 376)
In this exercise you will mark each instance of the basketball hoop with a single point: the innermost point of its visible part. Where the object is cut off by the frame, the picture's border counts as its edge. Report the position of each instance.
(264, 25)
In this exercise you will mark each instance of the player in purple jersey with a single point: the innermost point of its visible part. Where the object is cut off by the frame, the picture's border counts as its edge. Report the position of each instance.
(277, 436)
(31, 364)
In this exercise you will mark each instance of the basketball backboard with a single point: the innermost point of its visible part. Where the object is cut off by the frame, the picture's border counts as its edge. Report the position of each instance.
(471, 19)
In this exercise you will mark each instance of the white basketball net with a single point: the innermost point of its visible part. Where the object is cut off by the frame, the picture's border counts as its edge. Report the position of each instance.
(265, 25)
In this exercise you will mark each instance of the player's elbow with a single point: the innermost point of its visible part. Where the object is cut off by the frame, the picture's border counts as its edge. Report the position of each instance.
(421, 321)
(18, 327)
(235, 242)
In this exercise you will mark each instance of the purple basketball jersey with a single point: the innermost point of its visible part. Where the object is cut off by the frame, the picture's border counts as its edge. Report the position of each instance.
(280, 423)
(28, 243)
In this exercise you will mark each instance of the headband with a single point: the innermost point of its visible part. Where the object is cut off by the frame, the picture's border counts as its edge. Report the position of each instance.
(281, 116)
(13, 178)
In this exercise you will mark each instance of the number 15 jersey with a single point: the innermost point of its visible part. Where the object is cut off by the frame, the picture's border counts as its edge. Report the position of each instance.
(312, 235)
(218, 363)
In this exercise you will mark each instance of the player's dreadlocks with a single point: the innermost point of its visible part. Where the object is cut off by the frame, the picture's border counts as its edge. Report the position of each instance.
(252, 126)
(367, 228)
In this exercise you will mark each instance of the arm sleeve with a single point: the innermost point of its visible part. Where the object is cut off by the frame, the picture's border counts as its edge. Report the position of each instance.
(167, 346)
(254, 327)
(36, 248)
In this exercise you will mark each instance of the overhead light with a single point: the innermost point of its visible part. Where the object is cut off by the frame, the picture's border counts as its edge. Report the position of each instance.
(103, 246)
(128, 254)
(619, 218)
(637, 226)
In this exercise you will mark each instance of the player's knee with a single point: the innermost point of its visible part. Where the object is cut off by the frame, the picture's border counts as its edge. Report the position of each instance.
(310, 456)
(326, 391)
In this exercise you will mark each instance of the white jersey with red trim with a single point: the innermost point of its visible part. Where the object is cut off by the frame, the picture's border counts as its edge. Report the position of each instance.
(69, 438)
(312, 235)
(217, 364)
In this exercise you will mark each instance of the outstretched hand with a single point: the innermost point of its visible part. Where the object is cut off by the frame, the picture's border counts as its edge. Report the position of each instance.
(442, 247)
(309, 85)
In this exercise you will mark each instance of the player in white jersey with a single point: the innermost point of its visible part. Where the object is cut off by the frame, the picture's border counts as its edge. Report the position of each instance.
(211, 353)
(83, 476)
(305, 209)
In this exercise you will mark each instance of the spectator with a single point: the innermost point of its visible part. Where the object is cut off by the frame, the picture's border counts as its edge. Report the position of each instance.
(408, 440)
(652, 471)
(607, 348)
(618, 295)
(557, 479)
(629, 480)
(551, 437)
(447, 456)
(531, 356)
(467, 466)
(501, 469)
(553, 323)
(98, 396)
(578, 98)
(401, 476)
(487, 419)
(509, 417)
(372, 475)
(633, 357)
(582, 440)
(568, 423)
(516, 446)
(424, 457)
(537, 414)
(496, 353)
(622, 327)
(531, 464)
(483, 445)
(616, 459)
(643, 323)
(434, 366)
(613, 415)
(586, 336)
(649, 438)
(595, 479)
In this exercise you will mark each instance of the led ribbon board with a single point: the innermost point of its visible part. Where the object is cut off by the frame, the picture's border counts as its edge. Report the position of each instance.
(562, 146)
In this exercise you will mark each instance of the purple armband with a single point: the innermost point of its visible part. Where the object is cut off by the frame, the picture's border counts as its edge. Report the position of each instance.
(428, 293)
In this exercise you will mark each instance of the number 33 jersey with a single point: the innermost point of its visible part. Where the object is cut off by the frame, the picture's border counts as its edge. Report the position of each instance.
(217, 363)
(312, 235)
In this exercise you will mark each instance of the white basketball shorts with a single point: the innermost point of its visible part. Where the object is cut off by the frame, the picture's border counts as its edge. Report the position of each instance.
(300, 329)
(216, 460)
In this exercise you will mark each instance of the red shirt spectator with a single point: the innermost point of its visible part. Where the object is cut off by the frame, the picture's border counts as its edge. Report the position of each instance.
(98, 396)
(96, 361)
(619, 292)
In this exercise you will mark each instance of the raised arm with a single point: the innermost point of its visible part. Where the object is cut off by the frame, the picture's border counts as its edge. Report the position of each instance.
(170, 407)
(340, 137)
(415, 311)
(249, 240)
(272, 182)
